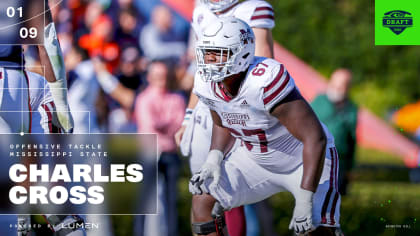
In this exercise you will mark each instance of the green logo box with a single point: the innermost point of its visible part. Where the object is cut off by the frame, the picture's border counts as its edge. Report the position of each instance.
(397, 22)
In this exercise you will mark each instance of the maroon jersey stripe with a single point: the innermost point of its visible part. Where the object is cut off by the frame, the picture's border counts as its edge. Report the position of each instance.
(263, 9)
(29, 102)
(262, 17)
(276, 80)
(334, 204)
(332, 213)
(234, 132)
(275, 93)
(47, 110)
(327, 197)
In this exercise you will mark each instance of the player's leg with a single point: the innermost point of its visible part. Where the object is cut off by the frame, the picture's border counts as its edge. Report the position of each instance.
(326, 200)
(236, 222)
(208, 216)
(201, 207)
(242, 182)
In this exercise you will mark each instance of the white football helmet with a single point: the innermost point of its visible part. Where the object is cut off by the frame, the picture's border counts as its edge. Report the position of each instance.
(225, 36)
(218, 5)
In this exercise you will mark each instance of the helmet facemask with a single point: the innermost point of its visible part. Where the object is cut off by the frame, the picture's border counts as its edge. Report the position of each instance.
(219, 70)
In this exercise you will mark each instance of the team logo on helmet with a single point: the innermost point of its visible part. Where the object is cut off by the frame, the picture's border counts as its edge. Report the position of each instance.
(397, 21)
(246, 36)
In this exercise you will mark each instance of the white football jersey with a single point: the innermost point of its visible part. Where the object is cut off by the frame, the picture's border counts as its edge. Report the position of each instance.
(41, 104)
(247, 115)
(256, 13)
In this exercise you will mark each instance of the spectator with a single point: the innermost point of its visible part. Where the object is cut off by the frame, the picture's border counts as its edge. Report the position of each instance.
(83, 90)
(128, 28)
(157, 110)
(84, 16)
(129, 75)
(118, 6)
(158, 40)
(85, 79)
(100, 42)
(339, 114)
(120, 117)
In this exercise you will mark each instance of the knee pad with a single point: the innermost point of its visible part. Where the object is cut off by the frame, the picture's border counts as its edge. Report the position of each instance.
(204, 228)
(217, 210)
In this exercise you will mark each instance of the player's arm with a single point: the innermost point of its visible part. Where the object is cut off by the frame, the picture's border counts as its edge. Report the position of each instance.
(262, 21)
(55, 73)
(111, 85)
(298, 117)
(263, 42)
(50, 51)
(221, 140)
(187, 118)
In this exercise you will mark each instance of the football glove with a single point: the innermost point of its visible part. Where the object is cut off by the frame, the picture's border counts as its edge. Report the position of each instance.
(301, 221)
(63, 118)
(210, 169)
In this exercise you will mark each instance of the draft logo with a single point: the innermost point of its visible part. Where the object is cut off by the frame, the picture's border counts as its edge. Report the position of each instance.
(397, 21)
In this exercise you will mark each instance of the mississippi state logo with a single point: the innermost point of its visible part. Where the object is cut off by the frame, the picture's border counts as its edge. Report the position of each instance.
(246, 36)
(397, 21)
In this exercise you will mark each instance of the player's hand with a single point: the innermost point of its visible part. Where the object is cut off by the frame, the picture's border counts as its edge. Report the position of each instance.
(181, 131)
(210, 169)
(179, 134)
(195, 184)
(64, 120)
(301, 221)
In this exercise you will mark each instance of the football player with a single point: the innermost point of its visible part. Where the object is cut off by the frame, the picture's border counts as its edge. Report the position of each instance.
(27, 104)
(284, 146)
(14, 81)
(197, 123)
(260, 16)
